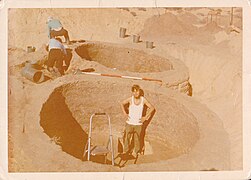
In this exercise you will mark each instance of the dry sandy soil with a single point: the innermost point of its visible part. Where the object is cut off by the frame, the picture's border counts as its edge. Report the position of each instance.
(48, 122)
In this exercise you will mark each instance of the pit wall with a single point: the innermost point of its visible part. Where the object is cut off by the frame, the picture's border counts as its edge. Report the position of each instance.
(182, 86)
(176, 78)
(216, 79)
(207, 69)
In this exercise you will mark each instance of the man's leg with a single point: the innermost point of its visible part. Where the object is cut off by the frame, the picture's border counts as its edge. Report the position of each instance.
(127, 137)
(68, 58)
(59, 63)
(51, 59)
(137, 131)
(66, 35)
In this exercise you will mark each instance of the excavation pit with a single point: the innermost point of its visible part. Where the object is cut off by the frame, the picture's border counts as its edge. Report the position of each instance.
(172, 130)
(124, 59)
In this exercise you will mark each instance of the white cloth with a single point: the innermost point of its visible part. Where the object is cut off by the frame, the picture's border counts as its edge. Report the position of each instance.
(135, 112)
(55, 44)
(57, 29)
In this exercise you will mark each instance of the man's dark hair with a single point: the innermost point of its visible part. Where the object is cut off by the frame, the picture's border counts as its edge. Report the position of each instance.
(135, 87)
(141, 92)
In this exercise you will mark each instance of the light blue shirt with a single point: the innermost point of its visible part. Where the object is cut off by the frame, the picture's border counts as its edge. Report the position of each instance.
(55, 44)
(53, 24)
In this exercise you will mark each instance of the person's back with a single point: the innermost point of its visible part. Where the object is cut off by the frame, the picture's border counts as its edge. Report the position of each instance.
(55, 28)
(56, 55)
(56, 44)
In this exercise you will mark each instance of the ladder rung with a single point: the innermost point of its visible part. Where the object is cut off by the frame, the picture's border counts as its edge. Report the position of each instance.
(99, 150)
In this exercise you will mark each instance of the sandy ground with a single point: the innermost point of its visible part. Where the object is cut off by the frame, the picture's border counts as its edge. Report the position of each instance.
(49, 121)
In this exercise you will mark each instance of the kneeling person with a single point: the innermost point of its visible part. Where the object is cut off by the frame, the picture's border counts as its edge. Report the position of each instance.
(57, 53)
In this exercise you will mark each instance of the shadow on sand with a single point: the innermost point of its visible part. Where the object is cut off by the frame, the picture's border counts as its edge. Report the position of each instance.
(59, 124)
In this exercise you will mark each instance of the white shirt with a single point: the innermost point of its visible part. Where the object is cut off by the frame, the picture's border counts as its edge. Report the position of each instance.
(135, 112)
(55, 44)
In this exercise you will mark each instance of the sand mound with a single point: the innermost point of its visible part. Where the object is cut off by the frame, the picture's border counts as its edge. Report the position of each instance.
(211, 28)
(167, 25)
(188, 18)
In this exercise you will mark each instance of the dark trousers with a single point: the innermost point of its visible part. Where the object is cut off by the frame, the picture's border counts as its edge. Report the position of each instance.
(56, 57)
(132, 133)
(62, 32)
(67, 59)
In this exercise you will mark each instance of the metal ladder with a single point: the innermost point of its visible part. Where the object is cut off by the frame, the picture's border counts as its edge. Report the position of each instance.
(99, 150)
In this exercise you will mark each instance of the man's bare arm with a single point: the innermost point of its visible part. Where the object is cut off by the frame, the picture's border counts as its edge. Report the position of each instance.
(123, 105)
(151, 108)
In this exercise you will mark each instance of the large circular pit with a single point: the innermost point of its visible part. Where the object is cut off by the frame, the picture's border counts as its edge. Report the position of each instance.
(165, 137)
(122, 58)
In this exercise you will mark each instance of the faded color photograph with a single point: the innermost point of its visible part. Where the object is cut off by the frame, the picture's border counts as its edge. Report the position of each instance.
(125, 89)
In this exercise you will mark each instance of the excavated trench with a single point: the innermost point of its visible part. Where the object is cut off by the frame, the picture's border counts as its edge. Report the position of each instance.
(137, 63)
(124, 59)
(171, 132)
